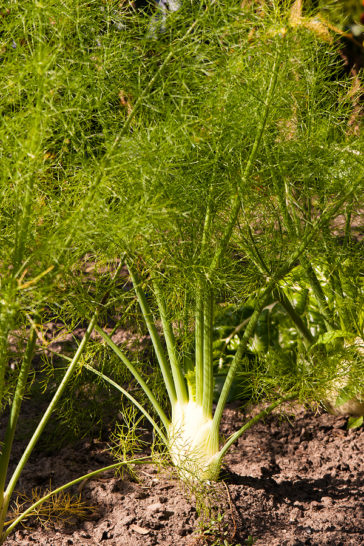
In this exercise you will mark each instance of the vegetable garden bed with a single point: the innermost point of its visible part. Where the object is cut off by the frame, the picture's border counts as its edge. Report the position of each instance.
(291, 482)
(180, 179)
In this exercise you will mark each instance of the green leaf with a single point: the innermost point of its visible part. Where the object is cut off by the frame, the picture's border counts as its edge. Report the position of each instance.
(301, 300)
(234, 343)
(355, 422)
(328, 337)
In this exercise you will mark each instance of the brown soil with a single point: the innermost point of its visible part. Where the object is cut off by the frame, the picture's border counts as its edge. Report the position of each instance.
(287, 482)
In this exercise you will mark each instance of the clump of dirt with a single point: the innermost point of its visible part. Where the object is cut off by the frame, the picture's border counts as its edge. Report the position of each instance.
(287, 482)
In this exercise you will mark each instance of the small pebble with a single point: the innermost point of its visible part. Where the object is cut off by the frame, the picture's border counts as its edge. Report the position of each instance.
(139, 530)
(155, 507)
(326, 501)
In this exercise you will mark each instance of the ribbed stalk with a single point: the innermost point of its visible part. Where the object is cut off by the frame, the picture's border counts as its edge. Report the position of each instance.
(318, 293)
(199, 344)
(301, 326)
(157, 344)
(349, 210)
(208, 385)
(281, 193)
(200, 327)
(178, 378)
(344, 307)
(14, 415)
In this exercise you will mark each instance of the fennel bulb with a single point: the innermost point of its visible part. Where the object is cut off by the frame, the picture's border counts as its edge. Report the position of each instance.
(193, 442)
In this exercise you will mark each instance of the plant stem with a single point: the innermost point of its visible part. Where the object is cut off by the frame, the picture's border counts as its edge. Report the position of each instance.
(158, 348)
(6, 322)
(349, 210)
(28, 450)
(318, 292)
(88, 476)
(281, 193)
(131, 398)
(286, 304)
(208, 387)
(137, 376)
(14, 414)
(252, 422)
(345, 309)
(179, 380)
(199, 343)
(254, 253)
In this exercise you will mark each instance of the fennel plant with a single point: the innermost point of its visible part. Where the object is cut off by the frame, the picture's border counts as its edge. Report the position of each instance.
(196, 200)
(50, 142)
(161, 151)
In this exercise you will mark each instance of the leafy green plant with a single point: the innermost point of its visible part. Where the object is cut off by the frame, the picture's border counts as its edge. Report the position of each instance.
(292, 335)
(168, 154)
(48, 135)
(314, 318)
(226, 120)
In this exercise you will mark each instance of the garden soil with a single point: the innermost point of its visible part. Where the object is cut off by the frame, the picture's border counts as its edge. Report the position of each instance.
(289, 481)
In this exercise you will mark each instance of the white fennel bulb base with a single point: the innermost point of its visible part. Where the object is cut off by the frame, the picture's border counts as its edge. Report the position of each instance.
(193, 443)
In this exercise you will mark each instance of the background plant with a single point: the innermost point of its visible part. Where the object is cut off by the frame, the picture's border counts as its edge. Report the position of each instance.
(50, 145)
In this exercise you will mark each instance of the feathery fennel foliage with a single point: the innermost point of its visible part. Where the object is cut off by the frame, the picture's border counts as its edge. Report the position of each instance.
(211, 159)
(51, 142)
(235, 162)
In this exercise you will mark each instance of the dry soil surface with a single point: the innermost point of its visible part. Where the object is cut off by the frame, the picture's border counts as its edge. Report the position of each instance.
(287, 482)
